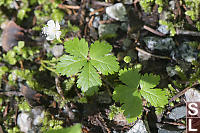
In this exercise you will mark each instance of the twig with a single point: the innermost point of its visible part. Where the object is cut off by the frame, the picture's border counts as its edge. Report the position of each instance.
(90, 22)
(68, 7)
(174, 123)
(98, 10)
(156, 56)
(98, 3)
(21, 65)
(101, 125)
(78, 94)
(153, 31)
(1, 130)
(187, 32)
(59, 90)
(182, 92)
(11, 93)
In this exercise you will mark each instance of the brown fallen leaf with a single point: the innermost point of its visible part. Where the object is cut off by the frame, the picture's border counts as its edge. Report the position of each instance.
(12, 33)
(34, 98)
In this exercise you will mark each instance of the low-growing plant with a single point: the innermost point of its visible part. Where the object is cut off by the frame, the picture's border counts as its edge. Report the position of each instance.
(87, 63)
(135, 87)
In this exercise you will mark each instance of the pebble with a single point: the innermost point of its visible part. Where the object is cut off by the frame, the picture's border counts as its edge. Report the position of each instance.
(185, 52)
(57, 50)
(117, 12)
(171, 71)
(139, 127)
(177, 113)
(27, 121)
(107, 30)
(163, 29)
(162, 44)
(192, 95)
(24, 122)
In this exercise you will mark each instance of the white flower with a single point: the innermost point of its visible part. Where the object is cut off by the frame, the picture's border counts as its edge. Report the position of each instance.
(52, 30)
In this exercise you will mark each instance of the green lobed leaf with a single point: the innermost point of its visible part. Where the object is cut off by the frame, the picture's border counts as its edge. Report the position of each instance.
(157, 97)
(130, 77)
(128, 94)
(133, 107)
(149, 81)
(101, 60)
(121, 93)
(77, 47)
(106, 64)
(88, 77)
(98, 49)
(70, 65)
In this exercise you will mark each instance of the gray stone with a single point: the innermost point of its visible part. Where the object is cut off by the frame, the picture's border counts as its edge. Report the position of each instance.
(117, 12)
(38, 115)
(177, 113)
(47, 47)
(192, 95)
(28, 121)
(139, 127)
(185, 52)
(95, 22)
(107, 30)
(24, 122)
(155, 43)
(163, 29)
(172, 4)
(143, 57)
(124, 26)
(171, 71)
(57, 50)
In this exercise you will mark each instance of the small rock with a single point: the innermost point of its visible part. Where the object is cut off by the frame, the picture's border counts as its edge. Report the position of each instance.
(185, 52)
(171, 71)
(95, 22)
(124, 26)
(57, 50)
(38, 115)
(163, 29)
(126, 43)
(155, 43)
(108, 30)
(172, 4)
(27, 121)
(139, 127)
(177, 113)
(47, 47)
(117, 12)
(192, 95)
(143, 57)
(24, 122)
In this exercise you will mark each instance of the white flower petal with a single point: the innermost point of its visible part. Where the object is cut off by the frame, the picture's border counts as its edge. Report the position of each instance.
(44, 30)
(51, 23)
(51, 37)
(57, 26)
(58, 33)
